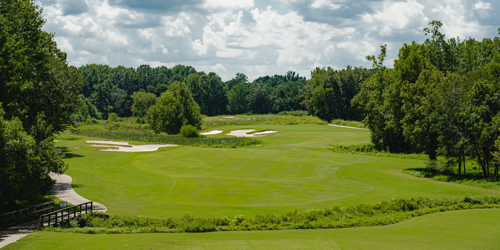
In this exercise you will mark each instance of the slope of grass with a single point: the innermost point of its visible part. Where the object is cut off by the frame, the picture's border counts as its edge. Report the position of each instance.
(468, 229)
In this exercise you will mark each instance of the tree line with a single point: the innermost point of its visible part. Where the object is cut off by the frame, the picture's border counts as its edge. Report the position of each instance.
(442, 98)
(130, 92)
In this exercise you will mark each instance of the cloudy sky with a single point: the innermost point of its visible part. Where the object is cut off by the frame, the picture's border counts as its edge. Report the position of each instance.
(254, 37)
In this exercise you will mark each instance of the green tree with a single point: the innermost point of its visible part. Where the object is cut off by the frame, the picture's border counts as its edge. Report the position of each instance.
(238, 98)
(38, 92)
(174, 109)
(166, 114)
(142, 103)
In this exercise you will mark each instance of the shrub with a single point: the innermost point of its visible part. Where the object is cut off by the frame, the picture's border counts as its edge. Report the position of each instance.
(113, 117)
(93, 121)
(88, 121)
(189, 131)
(114, 126)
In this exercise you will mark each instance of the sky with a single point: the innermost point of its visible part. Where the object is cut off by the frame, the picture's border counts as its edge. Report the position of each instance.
(255, 37)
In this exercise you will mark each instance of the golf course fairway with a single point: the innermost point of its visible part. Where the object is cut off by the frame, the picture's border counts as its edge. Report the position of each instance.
(290, 171)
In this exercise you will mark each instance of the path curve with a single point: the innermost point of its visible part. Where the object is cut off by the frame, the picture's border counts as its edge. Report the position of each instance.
(62, 190)
(339, 126)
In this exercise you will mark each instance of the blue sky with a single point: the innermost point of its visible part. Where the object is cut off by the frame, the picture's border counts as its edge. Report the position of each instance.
(254, 37)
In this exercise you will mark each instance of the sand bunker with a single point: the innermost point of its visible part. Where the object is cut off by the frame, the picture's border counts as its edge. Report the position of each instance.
(213, 132)
(265, 132)
(244, 133)
(339, 126)
(110, 142)
(229, 117)
(125, 147)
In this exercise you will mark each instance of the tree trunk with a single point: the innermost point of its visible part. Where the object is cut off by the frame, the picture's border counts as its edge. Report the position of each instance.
(459, 163)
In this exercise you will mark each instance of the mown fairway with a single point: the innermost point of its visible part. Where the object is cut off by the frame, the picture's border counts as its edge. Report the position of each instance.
(290, 171)
(469, 229)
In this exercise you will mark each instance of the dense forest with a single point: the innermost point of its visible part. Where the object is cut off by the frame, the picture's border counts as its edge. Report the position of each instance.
(116, 90)
(441, 98)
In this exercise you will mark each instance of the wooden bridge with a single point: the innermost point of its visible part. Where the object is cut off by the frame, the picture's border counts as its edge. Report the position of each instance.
(65, 215)
(20, 215)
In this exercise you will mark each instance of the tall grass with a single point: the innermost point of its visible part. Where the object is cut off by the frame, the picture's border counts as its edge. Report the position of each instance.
(369, 149)
(219, 121)
(473, 178)
(340, 122)
(146, 136)
(383, 213)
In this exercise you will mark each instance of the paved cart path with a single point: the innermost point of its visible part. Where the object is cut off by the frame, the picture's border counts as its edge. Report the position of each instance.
(62, 190)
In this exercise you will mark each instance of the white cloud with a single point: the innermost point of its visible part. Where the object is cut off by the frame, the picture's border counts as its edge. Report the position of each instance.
(480, 5)
(230, 4)
(236, 36)
(334, 5)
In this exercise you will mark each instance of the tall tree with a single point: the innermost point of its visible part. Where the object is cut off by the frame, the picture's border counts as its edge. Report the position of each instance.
(38, 92)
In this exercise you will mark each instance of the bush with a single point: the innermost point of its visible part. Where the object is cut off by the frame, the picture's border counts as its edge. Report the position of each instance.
(88, 121)
(93, 121)
(114, 126)
(113, 117)
(189, 131)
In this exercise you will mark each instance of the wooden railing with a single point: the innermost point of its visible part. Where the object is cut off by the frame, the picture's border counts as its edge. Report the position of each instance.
(64, 215)
(25, 213)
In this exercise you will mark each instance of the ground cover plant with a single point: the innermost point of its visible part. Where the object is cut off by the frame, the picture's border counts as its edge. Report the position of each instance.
(466, 229)
(383, 213)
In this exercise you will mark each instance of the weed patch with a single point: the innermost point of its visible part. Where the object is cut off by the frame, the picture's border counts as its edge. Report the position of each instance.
(370, 150)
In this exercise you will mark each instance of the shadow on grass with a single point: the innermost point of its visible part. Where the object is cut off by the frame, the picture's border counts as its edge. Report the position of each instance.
(67, 154)
(471, 179)
(77, 185)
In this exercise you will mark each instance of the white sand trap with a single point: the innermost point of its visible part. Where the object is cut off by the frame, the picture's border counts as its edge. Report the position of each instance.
(339, 126)
(125, 147)
(138, 148)
(244, 133)
(229, 117)
(110, 142)
(265, 132)
(213, 132)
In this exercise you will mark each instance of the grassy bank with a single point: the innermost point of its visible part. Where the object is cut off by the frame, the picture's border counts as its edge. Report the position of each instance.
(146, 136)
(340, 122)
(383, 213)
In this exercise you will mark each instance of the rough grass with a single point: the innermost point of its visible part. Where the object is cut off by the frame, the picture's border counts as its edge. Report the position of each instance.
(369, 149)
(145, 136)
(471, 179)
(383, 213)
(340, 122)
(219, 121)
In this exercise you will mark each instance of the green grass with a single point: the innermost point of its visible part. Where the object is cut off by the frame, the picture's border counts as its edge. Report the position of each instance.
(369, 149)
(383, 213)
(340, 122)
(467, 229)
(239, 120)
(145, 136)
(473, 178)
(291, 171)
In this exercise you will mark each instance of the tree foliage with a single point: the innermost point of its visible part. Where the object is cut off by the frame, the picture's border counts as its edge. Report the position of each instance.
(442, 97)
(38, 94)
(174, 109)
